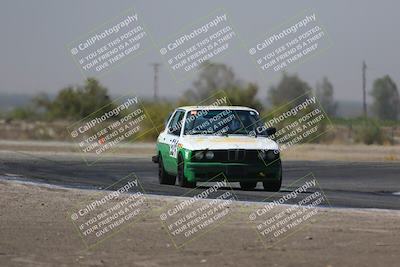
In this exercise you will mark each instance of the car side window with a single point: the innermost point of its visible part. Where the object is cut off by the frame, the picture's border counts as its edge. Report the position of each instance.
(175, 124)
(171, 122)
(167, 119)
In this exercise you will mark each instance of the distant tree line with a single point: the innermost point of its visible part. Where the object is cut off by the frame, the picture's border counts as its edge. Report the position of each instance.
(76, 102)
(71, 103)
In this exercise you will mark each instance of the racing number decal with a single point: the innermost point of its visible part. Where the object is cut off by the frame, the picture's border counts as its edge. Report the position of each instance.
(173, 148)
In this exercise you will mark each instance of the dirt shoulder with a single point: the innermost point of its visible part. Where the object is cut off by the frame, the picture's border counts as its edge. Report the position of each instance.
(35, 231)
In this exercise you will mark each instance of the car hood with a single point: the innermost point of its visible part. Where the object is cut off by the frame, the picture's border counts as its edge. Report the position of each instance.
(201, 142)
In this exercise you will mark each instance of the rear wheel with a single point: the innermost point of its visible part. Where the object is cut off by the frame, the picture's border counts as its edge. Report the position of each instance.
(163, 176)
(182, 180)
(248, 185)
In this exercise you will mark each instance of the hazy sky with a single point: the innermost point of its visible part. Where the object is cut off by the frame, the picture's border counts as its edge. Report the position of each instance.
(34, 35)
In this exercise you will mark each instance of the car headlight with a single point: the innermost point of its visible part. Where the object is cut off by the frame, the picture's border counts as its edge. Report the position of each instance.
(262, 154)
(199, 155)
(209, 155)
(272, 154)
(268, 154)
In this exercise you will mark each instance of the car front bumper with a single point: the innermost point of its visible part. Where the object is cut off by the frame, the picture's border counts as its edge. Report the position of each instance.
(233, 172)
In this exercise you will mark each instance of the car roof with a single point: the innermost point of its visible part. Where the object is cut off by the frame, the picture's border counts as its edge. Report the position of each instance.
(188, 108)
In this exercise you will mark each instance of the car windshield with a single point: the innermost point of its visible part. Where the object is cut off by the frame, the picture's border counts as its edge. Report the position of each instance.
(221, 122)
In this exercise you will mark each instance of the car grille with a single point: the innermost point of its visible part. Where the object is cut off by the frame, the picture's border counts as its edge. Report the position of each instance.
(232, 155)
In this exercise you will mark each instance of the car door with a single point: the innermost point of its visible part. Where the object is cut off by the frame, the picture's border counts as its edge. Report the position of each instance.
(171, 138)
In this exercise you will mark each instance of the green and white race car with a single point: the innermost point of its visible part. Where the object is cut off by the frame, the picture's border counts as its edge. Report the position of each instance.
(200, 143)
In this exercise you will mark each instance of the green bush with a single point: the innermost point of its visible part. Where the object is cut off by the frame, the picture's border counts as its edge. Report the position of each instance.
(369, 132)
(27, 113)
(156, 114)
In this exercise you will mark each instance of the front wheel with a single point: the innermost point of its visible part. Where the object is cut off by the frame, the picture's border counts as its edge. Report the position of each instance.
(182, 180)
(163, 176)
(273, 186)
(248, 185)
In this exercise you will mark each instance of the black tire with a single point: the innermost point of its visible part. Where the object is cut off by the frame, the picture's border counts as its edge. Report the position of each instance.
(163, 176)
(182, 180)
(248, 185)
(274, 186)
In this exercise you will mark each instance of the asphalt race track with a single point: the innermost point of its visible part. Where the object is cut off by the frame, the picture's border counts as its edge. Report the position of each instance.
(345, 184)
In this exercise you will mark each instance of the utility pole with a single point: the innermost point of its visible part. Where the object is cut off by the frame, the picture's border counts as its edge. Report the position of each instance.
(155, 68)
(364, 68)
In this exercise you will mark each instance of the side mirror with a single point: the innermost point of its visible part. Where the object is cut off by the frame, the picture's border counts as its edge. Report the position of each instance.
(270, 131)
